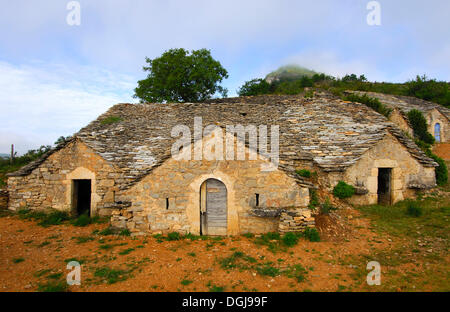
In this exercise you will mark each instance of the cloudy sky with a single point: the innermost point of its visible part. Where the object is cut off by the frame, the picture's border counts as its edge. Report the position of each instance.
(55, 78)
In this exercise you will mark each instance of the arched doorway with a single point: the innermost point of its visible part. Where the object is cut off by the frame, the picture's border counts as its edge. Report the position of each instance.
(213, 208)
(437, 132)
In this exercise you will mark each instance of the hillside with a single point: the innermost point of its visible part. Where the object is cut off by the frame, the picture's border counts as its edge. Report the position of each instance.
(289, 72)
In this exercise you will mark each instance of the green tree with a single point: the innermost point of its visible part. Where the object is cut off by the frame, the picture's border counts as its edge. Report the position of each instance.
(254, 87)
(429, 89)
(180, 76)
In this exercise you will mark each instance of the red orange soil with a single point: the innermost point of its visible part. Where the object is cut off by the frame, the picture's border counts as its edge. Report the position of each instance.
(442, 150)
(167, 263)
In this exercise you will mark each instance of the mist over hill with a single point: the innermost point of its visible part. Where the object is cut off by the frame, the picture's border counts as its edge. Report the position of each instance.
(289, 72)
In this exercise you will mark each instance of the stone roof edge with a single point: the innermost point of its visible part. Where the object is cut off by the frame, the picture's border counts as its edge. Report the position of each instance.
(412, 147)
(27, 169)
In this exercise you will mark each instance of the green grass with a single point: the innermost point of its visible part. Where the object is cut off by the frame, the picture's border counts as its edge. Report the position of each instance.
(424, 242)
(107, 231)
(111, 120)
(85, 220)
(396, 221)
(53, 286)
(18, 260)
(46, 219)
(112, 276)
(186, 282)
(126, 251)
(43, 244)
(268, 269)
(125, 232)
(83, 239)
(237, 260)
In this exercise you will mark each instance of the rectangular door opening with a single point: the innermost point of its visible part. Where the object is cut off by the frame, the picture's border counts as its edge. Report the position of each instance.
(81, 201)
(384, 186)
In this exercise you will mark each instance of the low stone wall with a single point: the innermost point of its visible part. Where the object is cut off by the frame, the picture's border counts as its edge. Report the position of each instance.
(296, 221)
(3, 199)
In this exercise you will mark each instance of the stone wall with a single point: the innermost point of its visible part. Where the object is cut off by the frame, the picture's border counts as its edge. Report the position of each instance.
(179, 182)
(50, 184)
(399, 119)
(407, 173)
(434, 117)
(296, 221)
(3, 199)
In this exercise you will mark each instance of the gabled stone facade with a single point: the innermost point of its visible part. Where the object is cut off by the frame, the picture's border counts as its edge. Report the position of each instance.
(435, 114)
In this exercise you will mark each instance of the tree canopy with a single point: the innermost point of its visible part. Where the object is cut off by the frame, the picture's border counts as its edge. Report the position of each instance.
(180, 76)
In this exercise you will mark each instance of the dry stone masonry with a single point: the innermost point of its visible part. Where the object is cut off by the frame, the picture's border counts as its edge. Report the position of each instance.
(126, 156)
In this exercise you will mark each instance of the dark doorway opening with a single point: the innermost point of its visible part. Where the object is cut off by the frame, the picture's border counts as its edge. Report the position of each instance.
(81, 201)
(384, 186)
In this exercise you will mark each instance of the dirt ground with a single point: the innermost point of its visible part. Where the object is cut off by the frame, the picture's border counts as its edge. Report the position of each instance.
(442, 150)
(32, 257)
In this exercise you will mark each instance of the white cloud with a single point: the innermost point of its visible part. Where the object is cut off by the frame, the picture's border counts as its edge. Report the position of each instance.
(41, 102)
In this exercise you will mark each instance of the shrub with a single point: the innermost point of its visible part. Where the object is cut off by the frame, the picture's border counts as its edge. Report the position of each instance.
(313, 199)
(290, 239)
(107, 231)
(82, 220)
(373, 103)
(254, 87)
(413, 209)
(343, 190)
(268, 270)
(326, 207)
(312, 235)
(173, 236)
(419, 126)
(304, 173)
(125, 232)
(441, 171)
(429, 89)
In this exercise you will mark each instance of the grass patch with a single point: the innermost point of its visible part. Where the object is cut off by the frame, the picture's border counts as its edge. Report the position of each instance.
(112, 276)
(312, 235)
(186, 282)
(268, 269)
(83, 239)
(85, 220)
(107, 231)
(18, 260)
(237, 260)
(126, 251)
(45, 219)
(396, 221)
(414, 209)
(111, 120)
(53, 286)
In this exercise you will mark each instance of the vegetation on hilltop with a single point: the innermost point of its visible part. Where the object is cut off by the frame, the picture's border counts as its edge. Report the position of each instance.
(290, 72)
(281, 82)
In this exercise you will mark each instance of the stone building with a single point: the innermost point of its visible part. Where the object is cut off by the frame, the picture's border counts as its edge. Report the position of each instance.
(437, 116)
(129, 164)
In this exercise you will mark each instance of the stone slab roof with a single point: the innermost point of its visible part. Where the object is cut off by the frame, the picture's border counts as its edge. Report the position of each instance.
(407, 103)
(330, 132)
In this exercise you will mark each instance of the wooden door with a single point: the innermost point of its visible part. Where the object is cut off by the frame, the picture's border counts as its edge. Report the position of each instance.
(215, 216)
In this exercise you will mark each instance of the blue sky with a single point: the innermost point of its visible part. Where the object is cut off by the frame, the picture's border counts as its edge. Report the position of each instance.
(55, 78)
